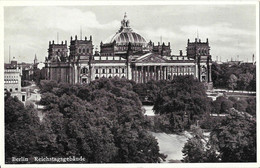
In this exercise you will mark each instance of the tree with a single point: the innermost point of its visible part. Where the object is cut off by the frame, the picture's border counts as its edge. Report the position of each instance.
(221, 105)
(244, 80)
(47, 86)
(251, 107)
(235, 138)
(21, 127)
(182, 98)
(221, 74)
(38, 75)
(101, 121)
(198, 149)
(241, 105)
(232, 82)
(193, 151)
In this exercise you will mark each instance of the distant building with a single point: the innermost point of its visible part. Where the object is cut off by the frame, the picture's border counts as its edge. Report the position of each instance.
(27, 70)
(231, 63)
(126, 55)
(12, 80)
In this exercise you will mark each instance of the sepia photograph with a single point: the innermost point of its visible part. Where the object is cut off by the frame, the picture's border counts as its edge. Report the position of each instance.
(121, 82)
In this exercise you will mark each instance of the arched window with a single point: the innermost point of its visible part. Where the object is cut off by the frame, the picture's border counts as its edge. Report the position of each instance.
(84, 70)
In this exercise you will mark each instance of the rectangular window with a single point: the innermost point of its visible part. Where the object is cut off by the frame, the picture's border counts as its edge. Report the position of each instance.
(110, 71)
(23, 97)
(103, 70)
(96, 71)
(123, 70)
(116, 70)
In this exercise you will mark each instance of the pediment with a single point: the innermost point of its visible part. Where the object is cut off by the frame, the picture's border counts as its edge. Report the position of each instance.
(151, 58)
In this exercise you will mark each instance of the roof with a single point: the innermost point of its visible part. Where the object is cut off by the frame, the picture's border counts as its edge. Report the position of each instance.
(126, 35)
(151, 58)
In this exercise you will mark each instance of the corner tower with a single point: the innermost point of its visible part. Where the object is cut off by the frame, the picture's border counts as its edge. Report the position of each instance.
(200, 52)
(81, 49)
(57, 52)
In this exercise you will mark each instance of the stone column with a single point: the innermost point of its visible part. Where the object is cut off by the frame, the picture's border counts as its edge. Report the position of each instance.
(113, 72)
(133, 75)
(142, 75)
(160, 73)
(171, 72)
(139, 74)
(76, 74)
(210, 74)
(106, 72)
(119, 72)
(163, 74)
(99, 72)
(148, 73)
(196, 71)
(199, 69)
(136, 74)
(154, 72)
(151, 72)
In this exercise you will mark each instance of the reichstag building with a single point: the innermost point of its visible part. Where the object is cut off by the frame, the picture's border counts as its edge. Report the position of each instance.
(126, 55)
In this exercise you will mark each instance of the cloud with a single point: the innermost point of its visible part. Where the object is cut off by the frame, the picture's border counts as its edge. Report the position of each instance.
(62, 18)
(156, 34)
(220, 31)
(230, 31)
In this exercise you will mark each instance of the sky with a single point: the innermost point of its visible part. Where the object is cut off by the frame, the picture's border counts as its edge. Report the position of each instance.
(231, 29)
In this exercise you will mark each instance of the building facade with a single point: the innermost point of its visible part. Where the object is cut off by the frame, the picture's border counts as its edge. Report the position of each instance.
(12, 81)
(126, 55)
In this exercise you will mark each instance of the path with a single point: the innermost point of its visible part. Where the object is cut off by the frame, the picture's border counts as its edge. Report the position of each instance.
(34, 98)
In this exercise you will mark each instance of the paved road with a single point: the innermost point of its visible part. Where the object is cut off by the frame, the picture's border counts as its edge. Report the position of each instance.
(35, 97)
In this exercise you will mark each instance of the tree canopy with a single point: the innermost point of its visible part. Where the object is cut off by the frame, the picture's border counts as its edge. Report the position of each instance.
(232, 140)
(101, 121)
(182, 101)
(239, 77)
(21, 128)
